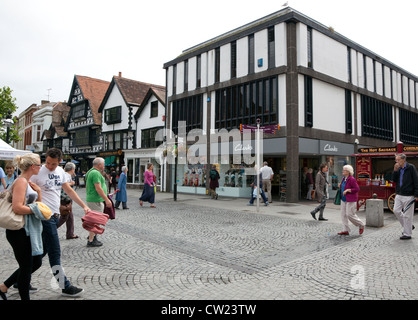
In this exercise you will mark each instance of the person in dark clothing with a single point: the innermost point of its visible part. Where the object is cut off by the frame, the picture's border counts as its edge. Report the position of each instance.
(214, 182)
(406, 178)
(113, 183)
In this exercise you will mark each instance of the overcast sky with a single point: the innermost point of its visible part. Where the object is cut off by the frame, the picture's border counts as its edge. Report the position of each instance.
(44, 43)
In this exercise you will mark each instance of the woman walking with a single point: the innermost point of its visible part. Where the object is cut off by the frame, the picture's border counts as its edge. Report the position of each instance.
(349, 197)
(24, 193)
(148, 194)
(121, 195)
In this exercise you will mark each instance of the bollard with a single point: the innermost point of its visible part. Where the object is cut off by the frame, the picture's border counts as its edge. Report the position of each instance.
(374, 213)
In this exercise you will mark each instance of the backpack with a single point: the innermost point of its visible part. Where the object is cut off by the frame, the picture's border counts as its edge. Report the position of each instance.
(213, 174)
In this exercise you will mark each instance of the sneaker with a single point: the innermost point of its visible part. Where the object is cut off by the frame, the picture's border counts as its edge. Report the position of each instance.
(94, 243)
(266, 204)
(72, 291)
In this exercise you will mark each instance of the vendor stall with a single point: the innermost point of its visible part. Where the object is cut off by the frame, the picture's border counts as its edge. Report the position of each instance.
(374, 167)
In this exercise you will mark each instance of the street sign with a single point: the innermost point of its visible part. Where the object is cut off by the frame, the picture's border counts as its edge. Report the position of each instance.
(270, 129)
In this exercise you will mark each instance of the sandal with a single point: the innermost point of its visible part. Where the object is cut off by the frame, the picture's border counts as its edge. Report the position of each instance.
(152, 206)
(73, 237)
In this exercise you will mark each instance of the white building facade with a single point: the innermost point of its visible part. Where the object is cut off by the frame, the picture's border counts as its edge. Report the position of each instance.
(328, 94)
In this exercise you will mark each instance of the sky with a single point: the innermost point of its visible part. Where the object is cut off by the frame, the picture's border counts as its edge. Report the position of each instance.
(44, 43)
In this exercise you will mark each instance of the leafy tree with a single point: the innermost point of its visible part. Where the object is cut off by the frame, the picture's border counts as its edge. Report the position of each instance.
(7, 107)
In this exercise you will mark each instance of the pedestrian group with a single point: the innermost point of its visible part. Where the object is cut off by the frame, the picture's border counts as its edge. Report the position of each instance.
(49, 187)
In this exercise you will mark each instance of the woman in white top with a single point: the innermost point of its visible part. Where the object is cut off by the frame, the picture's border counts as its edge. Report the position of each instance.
(24, 192)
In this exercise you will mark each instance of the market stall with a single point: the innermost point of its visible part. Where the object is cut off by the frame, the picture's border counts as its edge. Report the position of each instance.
(374, 167)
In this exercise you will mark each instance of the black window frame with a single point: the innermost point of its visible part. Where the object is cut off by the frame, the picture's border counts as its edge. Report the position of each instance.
(233, 59)
(376, 119)
(310, 47)
(81, 137)
(154, 109)
(308, 102)
(408, 126)
(217, 65)
(190, 110)
(251, 54)
(271, 39)
(113, 115)
(244, 103)
(79, 111)
(348, 113)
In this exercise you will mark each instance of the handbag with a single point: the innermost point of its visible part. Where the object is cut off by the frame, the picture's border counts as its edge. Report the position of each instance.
(337, 199)
(94, 221)
(8, 219)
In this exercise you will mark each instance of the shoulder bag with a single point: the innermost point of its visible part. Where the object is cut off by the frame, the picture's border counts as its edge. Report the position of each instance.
(8, 219)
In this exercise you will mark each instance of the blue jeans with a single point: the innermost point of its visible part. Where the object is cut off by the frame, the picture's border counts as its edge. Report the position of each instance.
(52, 247)
(263, 195)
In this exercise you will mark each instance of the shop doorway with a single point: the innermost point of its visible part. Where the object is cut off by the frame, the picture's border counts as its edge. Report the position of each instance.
(304, 165)
(278, 185)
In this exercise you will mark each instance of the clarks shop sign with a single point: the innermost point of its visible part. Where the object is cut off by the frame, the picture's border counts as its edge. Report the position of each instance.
(335, 148)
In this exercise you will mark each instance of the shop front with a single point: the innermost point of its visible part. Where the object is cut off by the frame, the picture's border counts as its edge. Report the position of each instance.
(137, 161)
(235, 162)
(374, 168)
(315, 152)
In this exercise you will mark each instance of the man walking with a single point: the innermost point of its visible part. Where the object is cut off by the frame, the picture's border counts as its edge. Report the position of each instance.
(96, 194)
(406, 178)
(267, 176)
(51, 179)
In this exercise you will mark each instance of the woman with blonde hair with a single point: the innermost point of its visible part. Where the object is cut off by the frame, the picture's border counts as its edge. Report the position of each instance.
(349, 197)
(24, 193)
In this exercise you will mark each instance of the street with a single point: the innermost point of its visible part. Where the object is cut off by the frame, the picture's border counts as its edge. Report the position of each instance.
(202, 249)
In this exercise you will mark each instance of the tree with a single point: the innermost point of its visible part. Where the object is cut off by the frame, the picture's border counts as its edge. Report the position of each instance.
(7, 107)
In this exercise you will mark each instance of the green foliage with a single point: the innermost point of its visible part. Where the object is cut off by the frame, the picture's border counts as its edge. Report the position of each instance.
(7, 106)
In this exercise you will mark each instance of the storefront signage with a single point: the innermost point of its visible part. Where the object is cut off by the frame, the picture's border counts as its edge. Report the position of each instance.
(241, 147)
(410, 149)
(330, 148)
(377, 150)
(335, 148)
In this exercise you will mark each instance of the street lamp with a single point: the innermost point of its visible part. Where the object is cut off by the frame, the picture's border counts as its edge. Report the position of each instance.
(8, 122)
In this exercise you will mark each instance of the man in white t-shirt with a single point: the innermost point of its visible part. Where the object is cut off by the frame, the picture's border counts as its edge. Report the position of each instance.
(51, 179)
(267, 176)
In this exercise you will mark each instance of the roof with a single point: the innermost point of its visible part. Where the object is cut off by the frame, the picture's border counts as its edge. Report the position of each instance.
(93, 90)
(159, 93)
(132, 91)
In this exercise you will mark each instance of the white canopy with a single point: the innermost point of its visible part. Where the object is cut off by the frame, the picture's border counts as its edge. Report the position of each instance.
(7, 152)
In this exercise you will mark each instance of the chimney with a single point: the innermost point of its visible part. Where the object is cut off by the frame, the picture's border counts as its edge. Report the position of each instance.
(120, 74)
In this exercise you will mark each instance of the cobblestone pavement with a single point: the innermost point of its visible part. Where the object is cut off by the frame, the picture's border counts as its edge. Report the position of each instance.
(201, 249)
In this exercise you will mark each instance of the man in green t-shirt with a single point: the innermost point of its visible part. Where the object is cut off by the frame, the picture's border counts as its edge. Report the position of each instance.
(96, 194)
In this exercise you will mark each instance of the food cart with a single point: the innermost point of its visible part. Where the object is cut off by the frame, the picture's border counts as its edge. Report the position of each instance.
(374, 167)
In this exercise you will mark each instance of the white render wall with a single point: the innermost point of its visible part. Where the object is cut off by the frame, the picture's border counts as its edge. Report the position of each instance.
(146, 122)
(329, 56)
(115, 99)
(328, 106)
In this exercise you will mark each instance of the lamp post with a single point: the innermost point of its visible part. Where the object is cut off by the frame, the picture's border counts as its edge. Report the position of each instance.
(8, 122)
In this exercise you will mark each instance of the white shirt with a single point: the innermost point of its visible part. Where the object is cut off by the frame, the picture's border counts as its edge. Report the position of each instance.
(51, 183)
(266, 172)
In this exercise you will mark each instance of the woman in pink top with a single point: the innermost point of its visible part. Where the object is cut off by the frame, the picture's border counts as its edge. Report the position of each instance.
(148, 194)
